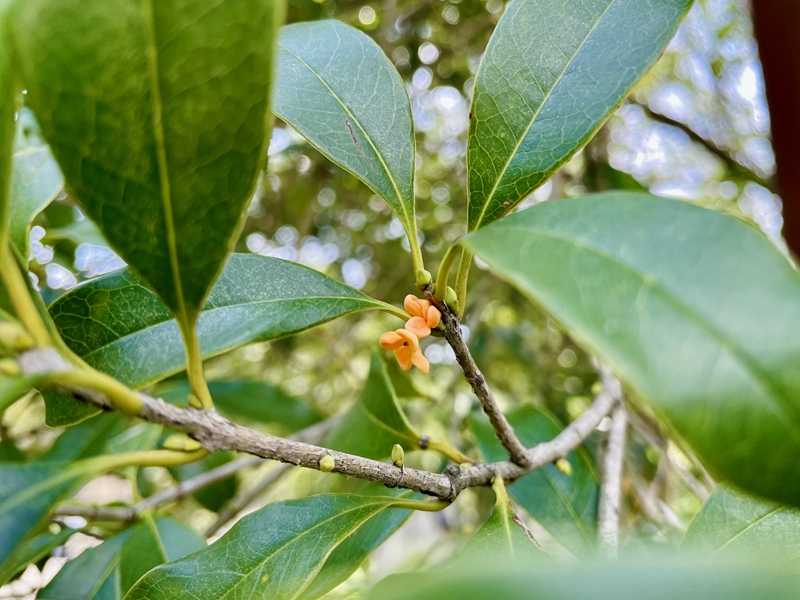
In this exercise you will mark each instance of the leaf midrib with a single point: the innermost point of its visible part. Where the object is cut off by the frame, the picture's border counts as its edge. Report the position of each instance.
(536, 115)
(151, 52)
(294, 539)
(357, 122)
(375, 306)
(782, 402)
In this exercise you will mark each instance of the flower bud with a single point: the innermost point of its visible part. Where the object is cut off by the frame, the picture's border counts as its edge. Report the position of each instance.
(450, 297)
(326, 463)
(563, 465)
(14, 337)
(194, 402)
(10, 368)
(423, 278)
(397, 455)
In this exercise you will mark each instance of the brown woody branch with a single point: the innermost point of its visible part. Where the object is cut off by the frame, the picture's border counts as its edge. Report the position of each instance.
(505, 433)
(217, 433)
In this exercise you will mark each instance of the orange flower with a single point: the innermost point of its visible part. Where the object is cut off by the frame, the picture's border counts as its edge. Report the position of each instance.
(406, 349)
(405, 342)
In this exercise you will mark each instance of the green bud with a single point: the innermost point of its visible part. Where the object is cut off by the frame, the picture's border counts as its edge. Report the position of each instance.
(326, 463)
(397, 455)
(194, 402)
(14, 337)
(10, 368)
(450, 297)
(563, 465)
(423, 278)
(182, 443)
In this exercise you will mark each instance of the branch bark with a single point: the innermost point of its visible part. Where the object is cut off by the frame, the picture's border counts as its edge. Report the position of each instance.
(611, 487)
(217, 433)
(505, 433)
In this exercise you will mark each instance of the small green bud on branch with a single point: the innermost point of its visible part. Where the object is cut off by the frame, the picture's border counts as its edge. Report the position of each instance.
(327, 463)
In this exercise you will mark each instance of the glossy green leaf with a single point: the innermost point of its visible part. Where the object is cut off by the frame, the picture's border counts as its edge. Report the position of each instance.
(8, 128)
(120, 327)
(144, 436)
(553, 72)
(158, 115)
(375, 422)
(503, 539)
(271, 554)
(218, 493)
(28, 492)
(107, 571)
(348, 556)
(664, 580)
(733, 526)
(250, 400)
(695, 309)
(87, 439)
(338, 89)
(566, 505)
(35, 183)
(32, 551)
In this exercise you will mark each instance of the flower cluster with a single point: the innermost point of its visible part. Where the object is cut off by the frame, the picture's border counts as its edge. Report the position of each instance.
(405, 342)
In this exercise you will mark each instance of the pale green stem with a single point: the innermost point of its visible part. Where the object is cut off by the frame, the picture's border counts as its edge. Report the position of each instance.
(394, 311)
(461, 279)
(20, 297)
(426, 505)
(145, 458)
(123, 398)
(455, 455)
(416, 252)
(440, 288)
(194, 366)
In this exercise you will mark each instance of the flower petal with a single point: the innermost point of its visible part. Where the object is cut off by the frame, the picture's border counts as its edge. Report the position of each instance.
(434, 316)
(413, 340)
(418, 327)
(412, 306)
(418, 360)
(391, 341)
(403, 356)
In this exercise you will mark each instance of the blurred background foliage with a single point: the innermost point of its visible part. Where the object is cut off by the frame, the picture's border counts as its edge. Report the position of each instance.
(696, 128)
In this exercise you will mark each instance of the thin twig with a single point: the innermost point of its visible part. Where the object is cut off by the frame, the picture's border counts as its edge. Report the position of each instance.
(502, 428)
(217, 433)
(611, 487)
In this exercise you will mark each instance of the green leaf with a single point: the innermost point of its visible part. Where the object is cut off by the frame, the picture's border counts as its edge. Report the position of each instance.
(566, 505)
(663, 580)
(503, 539)
(144, 436)
(695, 309)
(375, 422)
(87, 439)
(27, 494)
(121, 328)
(272, 554)
(250, 400)
(348, 556)
(553, 72)
(8, 127)
(158, 115)
(107, 571)
(35, 183)
(32, 551)
(215, 495)
(733, 526)
(338, 89)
